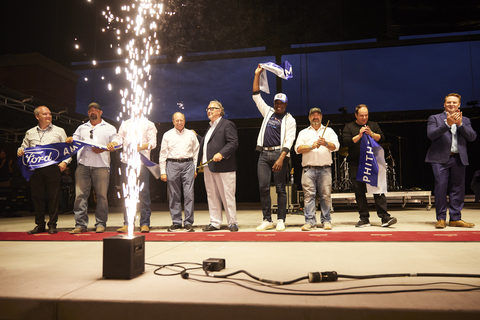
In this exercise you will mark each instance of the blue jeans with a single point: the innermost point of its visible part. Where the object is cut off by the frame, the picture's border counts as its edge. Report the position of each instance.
(180, 174)
(264, 170)
(84, 178)
(317, 180)
(143, 196)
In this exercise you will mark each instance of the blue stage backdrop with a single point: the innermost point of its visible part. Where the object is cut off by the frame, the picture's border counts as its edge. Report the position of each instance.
(386, 79)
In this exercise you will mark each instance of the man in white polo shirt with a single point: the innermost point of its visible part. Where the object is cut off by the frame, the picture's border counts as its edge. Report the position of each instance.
(93, 168)
(316, 144)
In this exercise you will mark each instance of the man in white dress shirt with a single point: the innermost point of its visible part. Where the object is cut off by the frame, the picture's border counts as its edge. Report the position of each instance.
(316, 144)
(148, 141)
(93, 168)
(178, 158)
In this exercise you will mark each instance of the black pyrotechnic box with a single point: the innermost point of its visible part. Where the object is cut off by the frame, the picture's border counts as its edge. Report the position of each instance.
(123, 257)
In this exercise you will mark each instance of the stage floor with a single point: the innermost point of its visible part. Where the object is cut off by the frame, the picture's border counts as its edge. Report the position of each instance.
(63, 280)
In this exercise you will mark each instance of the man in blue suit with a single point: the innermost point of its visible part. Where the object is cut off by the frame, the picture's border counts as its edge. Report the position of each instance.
(449, 132)
(219, 145)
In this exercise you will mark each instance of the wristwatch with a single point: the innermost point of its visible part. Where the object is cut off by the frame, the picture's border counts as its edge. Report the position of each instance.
(326, 144)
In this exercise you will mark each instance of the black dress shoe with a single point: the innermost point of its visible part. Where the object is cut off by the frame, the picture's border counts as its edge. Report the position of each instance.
(52, 230)
(38, 229)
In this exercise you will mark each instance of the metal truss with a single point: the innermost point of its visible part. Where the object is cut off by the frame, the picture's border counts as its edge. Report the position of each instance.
(11, 135)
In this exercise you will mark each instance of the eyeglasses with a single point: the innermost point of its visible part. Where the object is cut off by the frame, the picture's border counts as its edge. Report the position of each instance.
(91, 134)
(211, 109)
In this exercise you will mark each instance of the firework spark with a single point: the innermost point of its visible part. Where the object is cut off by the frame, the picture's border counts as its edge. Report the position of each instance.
(138, 26)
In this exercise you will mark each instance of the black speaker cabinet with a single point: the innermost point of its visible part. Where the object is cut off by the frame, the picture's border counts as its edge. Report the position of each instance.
(123, 257)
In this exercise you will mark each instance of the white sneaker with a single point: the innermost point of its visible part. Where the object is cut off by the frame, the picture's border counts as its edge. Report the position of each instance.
(264, 226)
(327, 226)
(280, 225)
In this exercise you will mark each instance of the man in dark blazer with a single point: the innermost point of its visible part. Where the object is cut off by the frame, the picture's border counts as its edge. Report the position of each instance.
(449, 132)
(219, 145)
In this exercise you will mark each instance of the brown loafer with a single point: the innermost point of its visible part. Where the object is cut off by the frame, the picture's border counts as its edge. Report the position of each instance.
(123, 229)
(441, 224)
(78, 230)
(461, 223)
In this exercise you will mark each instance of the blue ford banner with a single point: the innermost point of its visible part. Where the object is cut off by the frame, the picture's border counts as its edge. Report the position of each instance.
(372, 168)
(283, 71)
(46, 155)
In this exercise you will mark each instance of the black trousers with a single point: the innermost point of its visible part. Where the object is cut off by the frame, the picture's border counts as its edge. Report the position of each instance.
(360, 189)
(45, 190)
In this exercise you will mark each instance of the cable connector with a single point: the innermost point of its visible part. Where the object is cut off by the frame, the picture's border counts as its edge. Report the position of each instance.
(327, 276)
(213, 264)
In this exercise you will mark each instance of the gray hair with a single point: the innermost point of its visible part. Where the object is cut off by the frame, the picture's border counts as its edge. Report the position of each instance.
(218, 105)
(37, 111)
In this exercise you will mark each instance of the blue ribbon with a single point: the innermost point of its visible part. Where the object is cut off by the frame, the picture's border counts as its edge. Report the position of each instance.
(49, 154)
(372, 166)
(283, 71)
(368, 166)
(153, 167)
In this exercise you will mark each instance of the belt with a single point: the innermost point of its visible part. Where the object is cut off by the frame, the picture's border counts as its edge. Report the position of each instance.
(316, 167)
(453, 154)
(272, 148)
(180, 160)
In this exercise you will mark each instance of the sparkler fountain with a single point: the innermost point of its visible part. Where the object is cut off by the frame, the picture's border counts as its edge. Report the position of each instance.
(136, 102)
(125, 257)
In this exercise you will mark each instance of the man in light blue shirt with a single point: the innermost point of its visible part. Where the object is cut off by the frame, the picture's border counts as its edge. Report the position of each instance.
(93, 168)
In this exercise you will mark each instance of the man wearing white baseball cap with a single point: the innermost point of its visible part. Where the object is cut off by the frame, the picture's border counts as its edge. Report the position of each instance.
(274, 142)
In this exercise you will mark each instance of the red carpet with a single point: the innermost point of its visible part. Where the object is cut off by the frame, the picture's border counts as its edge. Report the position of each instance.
(414, 236)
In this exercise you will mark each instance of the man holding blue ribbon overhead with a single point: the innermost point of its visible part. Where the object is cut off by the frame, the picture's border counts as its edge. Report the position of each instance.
(45, 181)
(274, 142)
(352, 136)
(93, 168)
(449, 132)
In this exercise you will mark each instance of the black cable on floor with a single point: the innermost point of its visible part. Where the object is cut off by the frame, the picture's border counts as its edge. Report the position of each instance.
(174, 267)
(391, 275)
(333, 293)
(277, 287)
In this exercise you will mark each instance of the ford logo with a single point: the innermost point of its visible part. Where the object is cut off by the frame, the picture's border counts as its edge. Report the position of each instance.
(37, 157)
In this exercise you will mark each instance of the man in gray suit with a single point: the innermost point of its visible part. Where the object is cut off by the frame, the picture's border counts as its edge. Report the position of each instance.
(449, 132)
